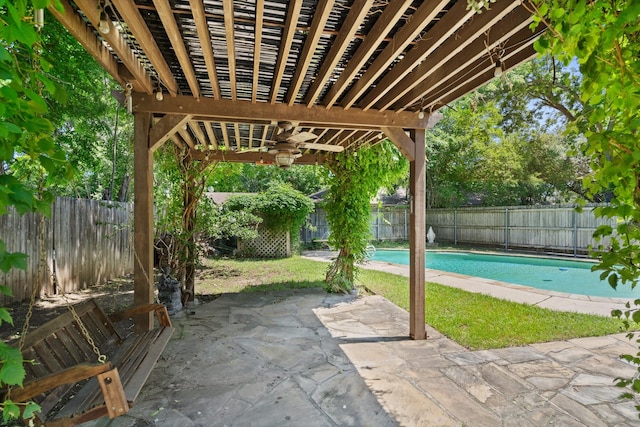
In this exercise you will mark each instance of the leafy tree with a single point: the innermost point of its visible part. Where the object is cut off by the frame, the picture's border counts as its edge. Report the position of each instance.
(250, 178)
(90, 125)
(25, 137)
(228, 221)
(604, 36)
(494, 146)
(357, 177)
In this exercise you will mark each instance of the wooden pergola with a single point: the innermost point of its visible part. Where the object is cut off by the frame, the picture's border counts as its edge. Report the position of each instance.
(216, 76)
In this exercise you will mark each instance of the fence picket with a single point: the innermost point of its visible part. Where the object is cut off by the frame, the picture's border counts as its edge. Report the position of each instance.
(548, 228)
(89, 239)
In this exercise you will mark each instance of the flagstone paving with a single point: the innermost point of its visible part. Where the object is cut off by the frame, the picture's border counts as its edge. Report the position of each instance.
(308, 358)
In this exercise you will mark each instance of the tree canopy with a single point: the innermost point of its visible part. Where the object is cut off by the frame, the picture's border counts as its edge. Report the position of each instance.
(502, 145)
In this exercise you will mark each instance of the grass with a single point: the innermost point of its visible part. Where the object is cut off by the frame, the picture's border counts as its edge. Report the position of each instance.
(473, 320)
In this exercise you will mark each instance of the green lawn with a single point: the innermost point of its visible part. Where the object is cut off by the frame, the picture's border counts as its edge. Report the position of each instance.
(473, 320)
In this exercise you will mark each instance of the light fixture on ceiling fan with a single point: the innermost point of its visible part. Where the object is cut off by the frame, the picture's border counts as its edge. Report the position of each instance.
(287, 145)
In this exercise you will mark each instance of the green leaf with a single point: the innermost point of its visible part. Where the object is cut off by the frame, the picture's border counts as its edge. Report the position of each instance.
(4, 290)
(5, 316)
(9, 260)
(10, 411)
(40, 4)
(12, 128)
(30, 409)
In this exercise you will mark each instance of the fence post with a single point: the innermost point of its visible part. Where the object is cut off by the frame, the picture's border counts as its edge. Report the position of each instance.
(575, 233)
(506, 229)
(406, 226)
(455, 227)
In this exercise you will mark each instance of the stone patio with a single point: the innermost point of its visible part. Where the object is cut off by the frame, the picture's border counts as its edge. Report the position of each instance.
(307, 358)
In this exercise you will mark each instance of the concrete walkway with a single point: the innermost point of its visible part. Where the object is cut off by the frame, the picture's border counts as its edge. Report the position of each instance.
(307, 358)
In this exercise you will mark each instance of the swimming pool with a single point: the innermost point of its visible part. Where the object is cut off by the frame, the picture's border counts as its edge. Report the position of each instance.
(568, 276)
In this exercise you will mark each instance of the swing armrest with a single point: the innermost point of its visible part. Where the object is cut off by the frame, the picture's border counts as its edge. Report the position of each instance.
(161, 313)
(73, 374)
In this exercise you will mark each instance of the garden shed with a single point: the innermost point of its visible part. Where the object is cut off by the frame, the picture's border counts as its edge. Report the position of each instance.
(229, 80)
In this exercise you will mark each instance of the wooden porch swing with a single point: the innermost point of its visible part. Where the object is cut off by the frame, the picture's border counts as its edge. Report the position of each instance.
(80, 366)
(75, 347)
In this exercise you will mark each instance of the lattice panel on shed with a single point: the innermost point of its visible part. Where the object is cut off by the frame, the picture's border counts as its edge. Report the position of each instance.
(268, 244)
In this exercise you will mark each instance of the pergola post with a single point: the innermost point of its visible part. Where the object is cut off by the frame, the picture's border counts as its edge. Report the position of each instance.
(417, 223)
(143, 219)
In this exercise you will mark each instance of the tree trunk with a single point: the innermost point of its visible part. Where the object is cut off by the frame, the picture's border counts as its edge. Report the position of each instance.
(123, 192)
(189, 226)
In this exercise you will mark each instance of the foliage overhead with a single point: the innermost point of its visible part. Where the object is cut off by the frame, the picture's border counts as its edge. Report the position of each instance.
(604, 38)
(357, 177)
(25, 138)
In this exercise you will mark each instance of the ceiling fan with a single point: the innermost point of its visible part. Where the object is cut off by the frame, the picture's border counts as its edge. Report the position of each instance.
(287, 145)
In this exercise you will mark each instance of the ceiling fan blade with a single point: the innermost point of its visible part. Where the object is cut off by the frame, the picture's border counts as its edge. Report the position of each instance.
(301, 137)
(324, 147)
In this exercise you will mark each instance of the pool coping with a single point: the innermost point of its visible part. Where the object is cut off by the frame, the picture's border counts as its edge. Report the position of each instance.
(554, 300)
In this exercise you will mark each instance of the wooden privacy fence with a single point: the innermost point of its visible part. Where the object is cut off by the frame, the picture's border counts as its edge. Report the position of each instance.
(85, 242)
(387, 223)
(549, 228)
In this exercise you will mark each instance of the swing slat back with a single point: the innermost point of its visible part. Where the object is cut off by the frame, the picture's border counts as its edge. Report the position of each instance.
(64, 357)
(59, 344)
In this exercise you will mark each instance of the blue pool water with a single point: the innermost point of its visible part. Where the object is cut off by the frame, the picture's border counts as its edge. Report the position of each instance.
(573, 277)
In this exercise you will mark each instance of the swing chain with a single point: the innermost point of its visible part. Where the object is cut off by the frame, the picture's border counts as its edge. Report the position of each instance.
(85, 333)
(45, 266)
(36, 287)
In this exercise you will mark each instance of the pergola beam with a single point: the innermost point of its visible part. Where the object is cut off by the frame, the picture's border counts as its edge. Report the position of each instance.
(130, 60)
(440, 32)
(437, 94)
(87, 39)
(143, 36)
(293, 13)
(246, 111)
(384, 24)
(142, 219)
(256, 49)
(441, 66)
(323, 11)
(165, 128)
(417, 184)
(509, 61)
(401, 140)
(484, 31)
(425, 14)
(255, 157)
(227, 7)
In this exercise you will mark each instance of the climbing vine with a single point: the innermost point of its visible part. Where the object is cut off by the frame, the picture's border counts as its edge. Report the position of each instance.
(25, 135)
(357, 177)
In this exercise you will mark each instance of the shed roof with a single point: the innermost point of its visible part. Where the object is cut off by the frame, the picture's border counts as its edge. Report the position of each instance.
(349, 71)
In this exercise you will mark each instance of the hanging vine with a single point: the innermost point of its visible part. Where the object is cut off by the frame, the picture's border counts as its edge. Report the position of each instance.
(357, 177)
(176, 241)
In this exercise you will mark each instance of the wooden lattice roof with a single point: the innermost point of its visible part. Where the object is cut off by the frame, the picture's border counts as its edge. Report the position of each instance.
(347, 70)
